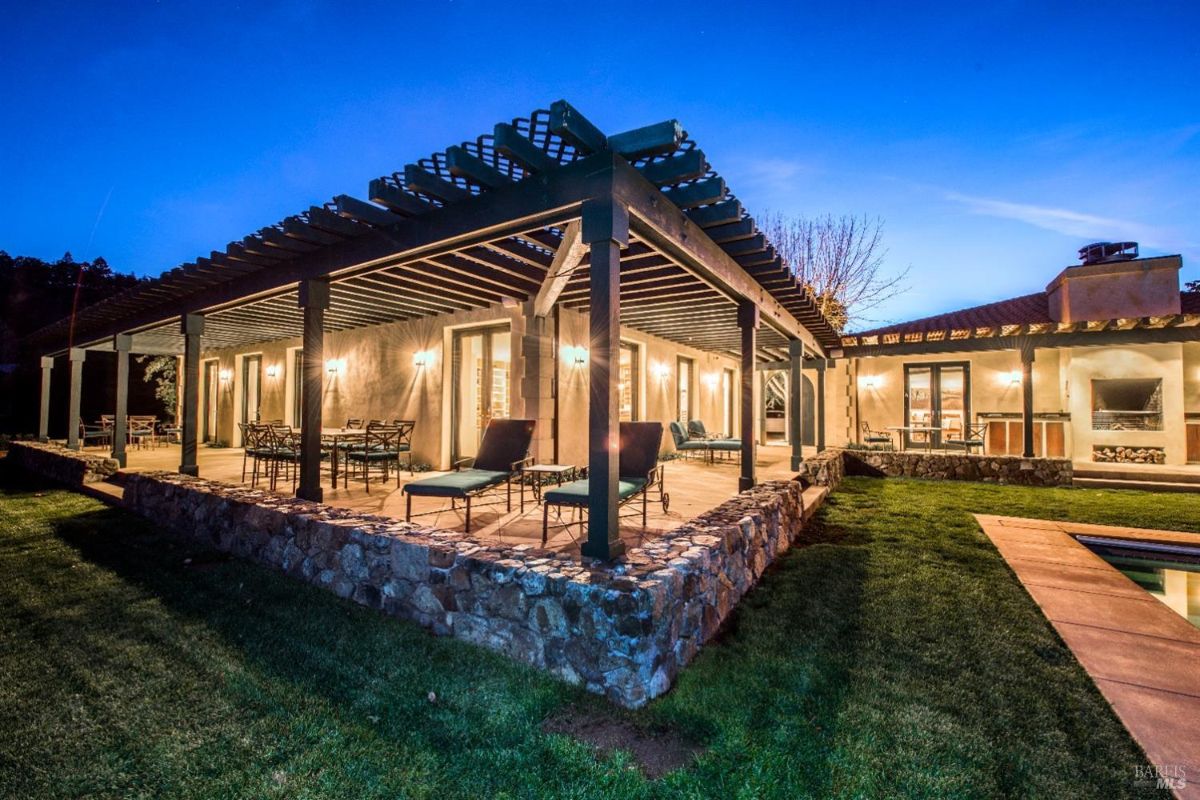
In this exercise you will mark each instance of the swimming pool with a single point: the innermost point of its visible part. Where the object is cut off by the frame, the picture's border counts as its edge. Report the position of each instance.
(1169, 572)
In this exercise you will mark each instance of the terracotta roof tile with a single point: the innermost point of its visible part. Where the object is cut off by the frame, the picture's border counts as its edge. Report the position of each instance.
(1023, 310)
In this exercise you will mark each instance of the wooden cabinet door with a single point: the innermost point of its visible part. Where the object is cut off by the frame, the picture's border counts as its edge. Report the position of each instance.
(1056, 440)
(1193, 442)
(997, 439)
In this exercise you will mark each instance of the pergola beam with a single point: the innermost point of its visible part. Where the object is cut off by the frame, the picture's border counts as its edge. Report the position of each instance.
(566, 260)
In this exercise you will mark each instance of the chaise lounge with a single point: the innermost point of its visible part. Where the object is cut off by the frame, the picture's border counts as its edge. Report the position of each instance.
(503, 453)
(638, 471)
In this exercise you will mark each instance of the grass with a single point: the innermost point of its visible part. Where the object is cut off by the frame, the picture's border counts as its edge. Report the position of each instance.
(892, 655)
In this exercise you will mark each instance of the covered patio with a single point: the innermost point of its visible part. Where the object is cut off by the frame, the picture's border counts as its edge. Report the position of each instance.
(575, 239)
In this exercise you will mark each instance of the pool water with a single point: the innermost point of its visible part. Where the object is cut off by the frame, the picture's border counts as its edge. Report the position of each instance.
(1170, 573)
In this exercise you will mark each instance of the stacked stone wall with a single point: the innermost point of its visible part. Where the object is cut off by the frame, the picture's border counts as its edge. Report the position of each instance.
(623, 629)
(960, 467)
(57, 463)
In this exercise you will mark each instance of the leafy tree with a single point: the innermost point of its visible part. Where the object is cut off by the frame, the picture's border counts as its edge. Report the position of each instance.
(161, 371)
(1192, 286)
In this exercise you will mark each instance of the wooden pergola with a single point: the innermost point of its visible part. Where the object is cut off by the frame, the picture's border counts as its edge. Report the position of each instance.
(634, 228)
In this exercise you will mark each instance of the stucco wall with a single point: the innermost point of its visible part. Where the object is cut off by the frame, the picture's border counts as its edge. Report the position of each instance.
(378, 380)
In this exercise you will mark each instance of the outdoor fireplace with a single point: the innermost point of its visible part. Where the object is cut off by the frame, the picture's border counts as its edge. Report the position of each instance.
(1127, 404)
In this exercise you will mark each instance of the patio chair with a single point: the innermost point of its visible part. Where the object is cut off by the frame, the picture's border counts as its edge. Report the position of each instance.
(143, 430)
(381, 449)
(98, 434)
(871, 437)
(716, 442)
(503, 453)
(638, 471)
(253, 448)
(355, 424)
(279, 446)
(972, 439)
(686, 445)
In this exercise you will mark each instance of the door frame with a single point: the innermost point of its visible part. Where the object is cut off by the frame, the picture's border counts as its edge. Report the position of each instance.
(935, 399)
(210, 387)
(456, 337)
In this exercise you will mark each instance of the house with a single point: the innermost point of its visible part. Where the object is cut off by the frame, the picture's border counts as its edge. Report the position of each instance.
(542, 271)
(1103, 366)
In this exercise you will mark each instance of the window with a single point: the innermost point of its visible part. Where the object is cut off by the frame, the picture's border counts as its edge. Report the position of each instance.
(297, 387)
(480, 389)
(683, 397)
(630, 382)
(727, 418)
(251, 387)
(1127, 404)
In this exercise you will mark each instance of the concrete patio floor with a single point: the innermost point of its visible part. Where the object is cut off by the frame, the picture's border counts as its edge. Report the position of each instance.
(694, 488)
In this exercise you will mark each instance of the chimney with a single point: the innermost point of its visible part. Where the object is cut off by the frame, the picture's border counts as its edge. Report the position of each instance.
(1113, 283)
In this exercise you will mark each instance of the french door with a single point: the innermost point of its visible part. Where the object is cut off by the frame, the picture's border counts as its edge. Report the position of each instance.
(251, 388)
(937, 397)
(683, 396)
(211, 385)
(480, 385)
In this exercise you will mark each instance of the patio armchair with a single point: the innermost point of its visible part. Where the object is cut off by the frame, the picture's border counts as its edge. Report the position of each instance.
(355, 424)
(717, 443)
(503, 454)
(381, 449)
(871, 437)
(143, 430)
(98, 434)
(972, 439)
(638, 471)
(685, 444)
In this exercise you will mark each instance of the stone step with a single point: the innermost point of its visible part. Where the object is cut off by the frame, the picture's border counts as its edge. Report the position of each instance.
(106, 491)
(1142, 485)
(1140, 475)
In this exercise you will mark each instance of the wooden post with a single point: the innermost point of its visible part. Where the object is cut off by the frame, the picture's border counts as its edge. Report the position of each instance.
(796, 400)
(44, 415)
(314, 299)
(1027, 397)
(605, 231)
(748, 323)
(121, 343)
(76, 356)
(191, 326)
(820, 405)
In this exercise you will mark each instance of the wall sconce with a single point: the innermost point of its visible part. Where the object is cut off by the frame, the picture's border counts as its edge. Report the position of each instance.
(660, 370)
(711, 380)
(225, 375)
(272, 370)
(1012, 378)
(422, 359)
(870, 381)
(577, 355)
(335, 365)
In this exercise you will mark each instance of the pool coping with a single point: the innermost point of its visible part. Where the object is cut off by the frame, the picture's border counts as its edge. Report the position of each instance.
(1111, 625)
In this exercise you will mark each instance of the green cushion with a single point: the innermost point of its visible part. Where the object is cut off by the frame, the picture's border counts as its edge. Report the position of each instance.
(456, 484)
(373, 455)
(726, 445)
(689, 445)
(575, 493)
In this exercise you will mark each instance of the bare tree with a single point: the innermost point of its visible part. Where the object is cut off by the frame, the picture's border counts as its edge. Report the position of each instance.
(839, 260)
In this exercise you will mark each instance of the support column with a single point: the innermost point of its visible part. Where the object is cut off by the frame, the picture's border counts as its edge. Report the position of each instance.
(605, 231)
(44, 415)
(121, 343)
(314, 299)
(76, 356)
(820, 420)
(796, 400)
(1027, 397)
(191, 326)
(748, 323)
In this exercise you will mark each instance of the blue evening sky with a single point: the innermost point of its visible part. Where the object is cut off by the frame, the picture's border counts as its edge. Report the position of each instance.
(993, 138)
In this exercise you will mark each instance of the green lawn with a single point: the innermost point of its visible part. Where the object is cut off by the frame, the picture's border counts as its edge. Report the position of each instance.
(892, 655)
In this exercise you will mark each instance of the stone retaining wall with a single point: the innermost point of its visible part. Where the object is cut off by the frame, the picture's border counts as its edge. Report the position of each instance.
(57, 463)
(960, 467)
(623, 630)
(826, 468)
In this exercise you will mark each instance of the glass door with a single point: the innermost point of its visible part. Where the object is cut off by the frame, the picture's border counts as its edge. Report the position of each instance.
(297, 388)
(683, 374)
(251, 388)
(937, 399)
(480, 374)
(730, 401)
(629, 382)
(211, 385)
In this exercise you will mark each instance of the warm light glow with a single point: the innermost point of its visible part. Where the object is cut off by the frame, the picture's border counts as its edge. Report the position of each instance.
(660, 370)
(1011, 378)
(422, 358)
(711, 380)
(225, 375)
(335, 365)
(871, 381)
(272, 370)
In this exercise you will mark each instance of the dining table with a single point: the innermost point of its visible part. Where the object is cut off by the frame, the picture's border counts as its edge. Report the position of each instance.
(338, 439)
(909, 430)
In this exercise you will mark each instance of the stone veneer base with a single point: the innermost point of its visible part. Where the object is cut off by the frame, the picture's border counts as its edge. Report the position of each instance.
(623, 630)
(57, 463)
